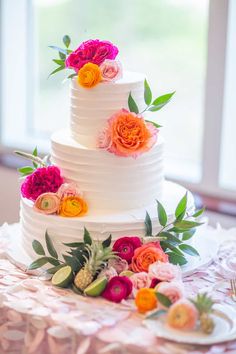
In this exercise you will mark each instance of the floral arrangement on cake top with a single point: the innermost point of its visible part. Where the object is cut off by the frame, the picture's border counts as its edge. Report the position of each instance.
(92, 62)
(47, 189)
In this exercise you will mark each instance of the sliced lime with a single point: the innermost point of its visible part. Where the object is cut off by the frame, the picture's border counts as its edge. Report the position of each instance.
(63, 277)
(126, 273)
(96, 287)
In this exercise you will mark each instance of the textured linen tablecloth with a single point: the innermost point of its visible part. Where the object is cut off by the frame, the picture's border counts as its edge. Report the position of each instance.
(36, 317)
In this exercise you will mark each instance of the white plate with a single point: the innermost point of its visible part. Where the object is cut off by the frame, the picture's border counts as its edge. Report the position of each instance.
(225, 328)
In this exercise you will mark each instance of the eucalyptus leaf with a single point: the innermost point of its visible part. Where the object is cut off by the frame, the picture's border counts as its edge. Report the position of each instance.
(163, 299)
(106, 243)
(153, 123)
(87, 237)
(66, 40)
(188, 234)
(38, 263)
(181, 207)
(132, 104)
(51, 249)
(148, 225)
(147, 93)
(189, 250)
(176, 259)
(161, 214)
(56, 70)
(186, 224)
(198, 212)
(38, 248)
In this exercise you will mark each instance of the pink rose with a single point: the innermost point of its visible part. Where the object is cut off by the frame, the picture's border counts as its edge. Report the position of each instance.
(109, 273)
(104, 139)
(119, 264)
(111, 70)
(68, 190)
(47, 203)
(118, 289)
(174, 291)
(139, 281)
(42, 180)
(125, 247)
(164, 271)
(93, 51)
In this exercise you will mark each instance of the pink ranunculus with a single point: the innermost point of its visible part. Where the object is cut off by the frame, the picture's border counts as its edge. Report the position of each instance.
(173, 290)
(68, 190)
(164, 271)
(139, 281)
(109, 273)
(111, 70)
(47, 203)
(119, 264)
(42, 180)
(91, 51)
(125, 247)
(118, 289)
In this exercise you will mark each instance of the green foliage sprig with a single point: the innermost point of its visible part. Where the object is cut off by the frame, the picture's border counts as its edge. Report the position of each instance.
(152, 105)
(174, 234)
(35, 159)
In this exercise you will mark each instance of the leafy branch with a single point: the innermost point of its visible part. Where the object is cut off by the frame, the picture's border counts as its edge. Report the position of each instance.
(151, 105)
(174, 234)
(35, 159)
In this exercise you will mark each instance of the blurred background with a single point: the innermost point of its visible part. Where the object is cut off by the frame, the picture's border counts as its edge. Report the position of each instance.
(184, 45)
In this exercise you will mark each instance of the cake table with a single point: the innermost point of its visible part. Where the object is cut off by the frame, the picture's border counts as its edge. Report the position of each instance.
(39, 318)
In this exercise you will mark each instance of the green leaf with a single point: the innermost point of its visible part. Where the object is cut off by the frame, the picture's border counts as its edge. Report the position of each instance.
(66, 40)
(50, 246)
(148, 225)
(156, 314)
(165, 245)
(163, 299)
(38, 263)
(59, 61)
(62, 56)
(56, 70)
(60, 50)
(53, 270)
(106, 243)
(181, 207)
(27, 170)
(160, 102)
(74, 244)
(147, 93)
(198, 212)
(153, 123)
(173, 240)
(38, 248)
(87, 237)
(189, 250)
(161, 214)
(132, 104)
(188, 234)
(71, 75)
(53, 261)
(72, 262)
(176, 259)
(186, 225)
(35, 153)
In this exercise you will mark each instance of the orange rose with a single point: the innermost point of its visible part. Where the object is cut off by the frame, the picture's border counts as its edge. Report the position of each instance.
(146, 300)
(147, 254)
(89, 75)
(73, 206)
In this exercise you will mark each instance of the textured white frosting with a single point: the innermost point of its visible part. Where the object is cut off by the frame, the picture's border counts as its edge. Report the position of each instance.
(91, 108)
(63, 230)
(109, 182)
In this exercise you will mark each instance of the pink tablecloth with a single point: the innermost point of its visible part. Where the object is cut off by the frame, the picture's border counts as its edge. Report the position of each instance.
(37, 318)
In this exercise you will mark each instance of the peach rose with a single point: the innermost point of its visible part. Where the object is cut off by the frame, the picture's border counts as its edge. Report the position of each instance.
(89, 75)
(139, 281)
(111, 70)
(73, 206)
(173, 290)
(182, 315)
(164, 271)
(127, 134)
(147, 254)
(47, 203)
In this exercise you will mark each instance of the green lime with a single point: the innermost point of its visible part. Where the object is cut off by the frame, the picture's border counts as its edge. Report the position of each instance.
(96, 287)
(63, 277)
(126, 273)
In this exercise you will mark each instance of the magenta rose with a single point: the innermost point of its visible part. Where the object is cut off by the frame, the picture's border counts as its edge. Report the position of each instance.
(118, 289)
(125, 247)
(91, 51)
(42, 180)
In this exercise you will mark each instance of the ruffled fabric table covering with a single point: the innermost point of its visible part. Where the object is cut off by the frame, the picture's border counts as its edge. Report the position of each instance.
(36, 317)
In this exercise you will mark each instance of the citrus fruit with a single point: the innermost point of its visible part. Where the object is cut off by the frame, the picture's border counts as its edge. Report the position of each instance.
(63, 277)
(96, 287)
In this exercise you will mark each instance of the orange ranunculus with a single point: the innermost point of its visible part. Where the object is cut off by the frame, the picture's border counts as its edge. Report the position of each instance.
(128, 134)
(182, 315)
(73, 206)
(146, 300)
(146, 255)
(89, 75)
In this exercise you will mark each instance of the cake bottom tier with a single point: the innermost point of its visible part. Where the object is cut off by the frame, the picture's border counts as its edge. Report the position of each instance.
(65, 230)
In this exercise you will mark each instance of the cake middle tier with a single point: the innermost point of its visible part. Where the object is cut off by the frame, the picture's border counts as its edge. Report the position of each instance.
(110, 183)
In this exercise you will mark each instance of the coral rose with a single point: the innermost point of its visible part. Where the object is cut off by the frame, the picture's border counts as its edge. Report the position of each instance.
(128, 134)
(89, 75)
(164, 271)
(125, 247)
(147, 254)
(93, 51)
(182, 315)
(111, 70)
(118, 289)
(173, 290)
(146, 300)
(47, 203)
(42, 180)
(73, 206)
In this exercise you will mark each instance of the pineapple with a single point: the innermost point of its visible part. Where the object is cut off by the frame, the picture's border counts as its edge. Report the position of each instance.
(96, 260)
(204, 305)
